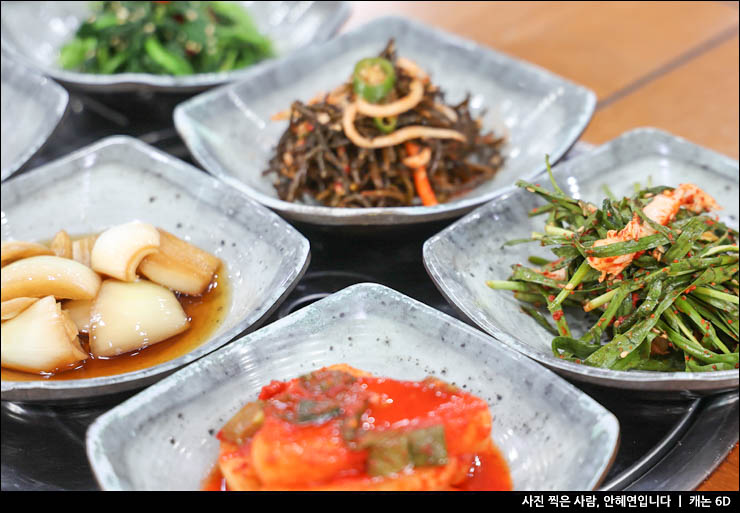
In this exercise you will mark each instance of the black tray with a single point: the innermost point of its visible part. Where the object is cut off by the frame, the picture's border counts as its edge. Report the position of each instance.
(666, 444)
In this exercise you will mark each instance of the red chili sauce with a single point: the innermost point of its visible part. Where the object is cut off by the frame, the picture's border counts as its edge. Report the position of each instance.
(445, 430)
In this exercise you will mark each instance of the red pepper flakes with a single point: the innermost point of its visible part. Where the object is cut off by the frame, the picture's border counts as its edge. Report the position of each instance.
(551, 298)
(563, 330)
(714, 367)
(557, 315)
(675, 260)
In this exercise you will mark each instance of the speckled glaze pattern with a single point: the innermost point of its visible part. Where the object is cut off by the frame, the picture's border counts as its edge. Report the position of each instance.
(461, 258)
(34, 32)
(553, 436)
(32, 107)
(121, 179)
(229, 130)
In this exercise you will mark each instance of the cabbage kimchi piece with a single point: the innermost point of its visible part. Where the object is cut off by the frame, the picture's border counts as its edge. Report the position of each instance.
(339, 428)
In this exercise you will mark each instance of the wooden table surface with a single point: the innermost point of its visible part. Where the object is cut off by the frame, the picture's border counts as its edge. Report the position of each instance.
(670, 65)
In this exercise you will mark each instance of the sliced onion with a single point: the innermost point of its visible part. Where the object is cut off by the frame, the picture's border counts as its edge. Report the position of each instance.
(180, 265)
(42, 276)
(119, 250)
(16, 250)
(41, 339)
(131, 315)
(12, 307)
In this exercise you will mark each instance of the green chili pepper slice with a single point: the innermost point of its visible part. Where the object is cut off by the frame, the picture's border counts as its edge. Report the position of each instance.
(373, 78)
(386, 126)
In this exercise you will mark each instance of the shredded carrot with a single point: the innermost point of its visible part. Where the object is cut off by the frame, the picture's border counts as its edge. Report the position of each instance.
(421, 180)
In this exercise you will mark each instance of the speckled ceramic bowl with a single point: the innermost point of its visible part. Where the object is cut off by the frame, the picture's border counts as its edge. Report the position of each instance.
(120, 179)
(229, 130)
(32, 106)
(465, 255)
(34, 32)
(553, 436)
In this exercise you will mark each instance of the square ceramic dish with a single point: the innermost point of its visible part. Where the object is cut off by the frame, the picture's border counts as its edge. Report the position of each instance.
(120, 179)
(461, 258)
(34, 32)
(32, 106)
(229, 130)
(553, 436)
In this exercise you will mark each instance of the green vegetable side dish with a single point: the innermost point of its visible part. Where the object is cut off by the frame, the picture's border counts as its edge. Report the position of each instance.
(165, 38)
(661, 282)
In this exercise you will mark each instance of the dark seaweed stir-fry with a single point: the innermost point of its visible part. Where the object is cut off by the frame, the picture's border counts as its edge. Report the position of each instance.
(384, 138)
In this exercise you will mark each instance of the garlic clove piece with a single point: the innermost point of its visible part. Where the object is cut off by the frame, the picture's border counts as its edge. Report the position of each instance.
(79, 312)
(12, 307)
(180, 266)
(61, 244)
(41, 276)
(40, 340)
(13, 250)
(82, 248)
(126, 316)
(119, 250)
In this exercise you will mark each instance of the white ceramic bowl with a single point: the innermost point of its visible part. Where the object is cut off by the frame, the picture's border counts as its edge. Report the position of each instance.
(229, 130)
(120, 179)
(34, 33)
(461, 258)
(553, 436)
(32, 107)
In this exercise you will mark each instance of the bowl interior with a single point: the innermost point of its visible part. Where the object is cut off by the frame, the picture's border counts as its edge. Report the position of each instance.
(32, 105)
(464, 256)
(121, 179)
(230, 131)
(552, 435)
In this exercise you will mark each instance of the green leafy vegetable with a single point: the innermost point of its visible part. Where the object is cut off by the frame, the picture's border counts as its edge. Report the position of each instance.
(165, 38)
(674, 307)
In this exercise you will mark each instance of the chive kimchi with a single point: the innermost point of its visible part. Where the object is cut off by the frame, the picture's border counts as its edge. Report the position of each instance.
(658, 274)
